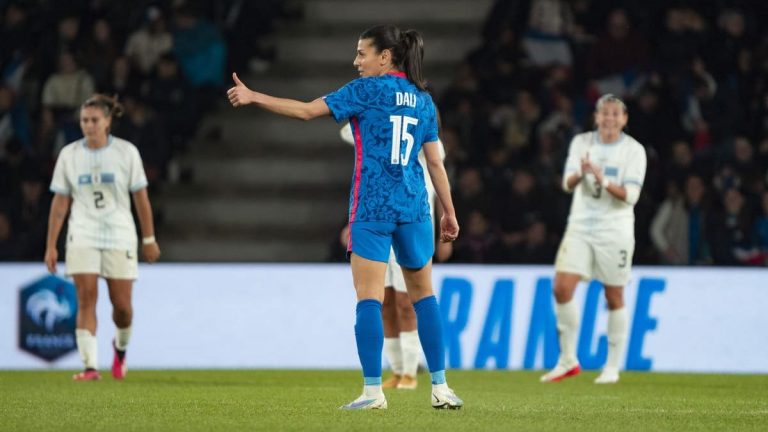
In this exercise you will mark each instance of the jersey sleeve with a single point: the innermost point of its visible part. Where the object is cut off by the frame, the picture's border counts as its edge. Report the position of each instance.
(59, 183)
(573, 161)
(430, 133)
(636, 166)
(138, 179)
(351, 99)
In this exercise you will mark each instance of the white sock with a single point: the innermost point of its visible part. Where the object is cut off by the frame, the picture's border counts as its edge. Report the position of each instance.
(88, 348)
(411, 349)
(394, 354)
(567, 327)
(617, 338)
(372, 390)
(122, 336)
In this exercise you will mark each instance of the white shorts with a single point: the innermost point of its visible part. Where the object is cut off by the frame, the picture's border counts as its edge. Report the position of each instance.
(606, 257)
(108, 263)
(393, 277)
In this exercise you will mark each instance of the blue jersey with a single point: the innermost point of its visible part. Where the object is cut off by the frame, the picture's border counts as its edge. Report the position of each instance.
(391, 119)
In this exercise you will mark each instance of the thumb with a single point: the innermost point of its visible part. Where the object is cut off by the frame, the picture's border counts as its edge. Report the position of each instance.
(236, 79)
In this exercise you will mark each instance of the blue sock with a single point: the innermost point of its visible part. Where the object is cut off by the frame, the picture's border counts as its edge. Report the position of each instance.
(430, 327)
(369, 333)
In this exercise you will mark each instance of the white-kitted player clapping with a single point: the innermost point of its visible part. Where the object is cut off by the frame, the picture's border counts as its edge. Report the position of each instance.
(605, 170)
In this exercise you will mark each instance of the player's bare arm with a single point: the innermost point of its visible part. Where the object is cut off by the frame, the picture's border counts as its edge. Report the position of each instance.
(449, 226)
(241, 95)
(573, 180)
(59, 209)
(149, 246)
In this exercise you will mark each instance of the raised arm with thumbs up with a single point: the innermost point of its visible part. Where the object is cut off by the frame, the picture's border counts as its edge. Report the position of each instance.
(240, 95)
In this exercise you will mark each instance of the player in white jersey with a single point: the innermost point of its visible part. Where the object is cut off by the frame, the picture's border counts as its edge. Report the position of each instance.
(97, 176)
(402, 347)
(605, 170)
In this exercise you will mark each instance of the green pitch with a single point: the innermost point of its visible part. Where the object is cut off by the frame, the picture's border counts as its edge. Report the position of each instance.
(277, 400)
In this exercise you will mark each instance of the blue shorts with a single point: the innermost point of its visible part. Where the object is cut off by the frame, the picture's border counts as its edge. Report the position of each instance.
(413, 242)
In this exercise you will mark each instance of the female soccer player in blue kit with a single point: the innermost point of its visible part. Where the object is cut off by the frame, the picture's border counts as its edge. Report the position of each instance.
(392, 117)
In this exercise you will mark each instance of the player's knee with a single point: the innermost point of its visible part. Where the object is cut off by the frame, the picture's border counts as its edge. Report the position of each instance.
(403, 301)
(405, 308)
(86, 299)
(614, 298)
(122, 308)
(563, 291)
(389, 299)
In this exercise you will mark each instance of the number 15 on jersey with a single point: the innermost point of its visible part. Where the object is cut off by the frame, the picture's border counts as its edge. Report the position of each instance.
(399, 134)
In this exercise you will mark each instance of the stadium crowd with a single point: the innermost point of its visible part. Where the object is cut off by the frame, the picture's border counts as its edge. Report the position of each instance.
(695, 78)
(166, 60)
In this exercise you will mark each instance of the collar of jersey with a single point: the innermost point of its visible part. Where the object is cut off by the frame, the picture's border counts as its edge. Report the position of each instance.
(599, 141)
(109, 142)
(397, 74)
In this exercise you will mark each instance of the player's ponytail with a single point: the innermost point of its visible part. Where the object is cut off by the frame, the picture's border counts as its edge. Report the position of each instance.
(413, 58)
(406, 48)
(109, 105)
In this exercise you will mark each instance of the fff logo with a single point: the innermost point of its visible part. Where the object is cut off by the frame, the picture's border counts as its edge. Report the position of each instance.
(47, 313)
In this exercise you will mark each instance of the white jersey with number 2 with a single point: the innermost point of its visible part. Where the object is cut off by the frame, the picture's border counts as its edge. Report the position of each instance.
(100, 181)
(594, 209)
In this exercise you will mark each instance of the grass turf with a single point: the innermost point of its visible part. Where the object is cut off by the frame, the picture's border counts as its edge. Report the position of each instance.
(279, 400)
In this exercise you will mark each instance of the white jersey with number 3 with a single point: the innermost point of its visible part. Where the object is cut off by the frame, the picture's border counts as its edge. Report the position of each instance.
(100, 181)
(623, 162)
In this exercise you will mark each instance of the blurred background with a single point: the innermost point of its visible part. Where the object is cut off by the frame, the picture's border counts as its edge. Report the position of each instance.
(514, 80)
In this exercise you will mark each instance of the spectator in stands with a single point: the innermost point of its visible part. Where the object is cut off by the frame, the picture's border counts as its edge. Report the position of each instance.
(61, 36)
(702, 115)
(174, 101)
(141, 127)
(32, 212)
(751, 175)
(201, 52)
(537, 246)
(619, 57)
(100, 52)
(680, 164)
(471, 194)
(14, 35)
(654, 120)
(730, 38)
(63, 93)
(123, 81)
(730, 232)
(517, 124)
(11, 167)
(683, 38)
(559, 123)
(500, 67)
(546, 40)
(245, 26)
(14, 122)
(478, 244)
(10, 248)
(517, 208)
(678, 229)
(760, 228)
(146, 45)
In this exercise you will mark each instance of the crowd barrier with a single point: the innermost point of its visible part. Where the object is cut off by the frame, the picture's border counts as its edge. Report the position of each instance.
(302, 316)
